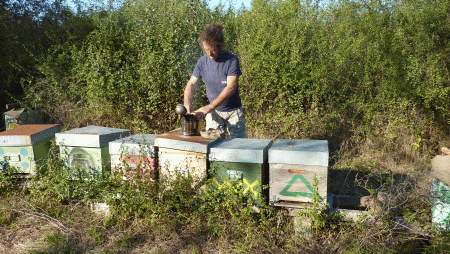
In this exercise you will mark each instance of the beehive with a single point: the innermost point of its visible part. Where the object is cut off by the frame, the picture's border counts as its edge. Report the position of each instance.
(88, 147)
(440, 210)
(240, 163)
(25, 146)
(19, 116)
(183, 155)
(293, 163)
(132, 152)
(440, 191)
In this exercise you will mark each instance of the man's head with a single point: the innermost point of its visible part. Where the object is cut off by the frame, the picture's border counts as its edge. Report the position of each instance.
(212, 40)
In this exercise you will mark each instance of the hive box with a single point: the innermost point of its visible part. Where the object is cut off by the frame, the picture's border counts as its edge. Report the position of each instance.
(132, 152)
(88, 147)
(182, 155)
(292, 166)
(19, 116)
(242, 163)
(440, 200)
(25, 146)
(440, 191)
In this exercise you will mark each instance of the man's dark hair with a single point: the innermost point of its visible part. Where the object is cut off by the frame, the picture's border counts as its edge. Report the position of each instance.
(213, 36)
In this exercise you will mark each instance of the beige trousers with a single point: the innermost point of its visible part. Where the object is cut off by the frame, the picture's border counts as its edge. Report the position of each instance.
(233, 121)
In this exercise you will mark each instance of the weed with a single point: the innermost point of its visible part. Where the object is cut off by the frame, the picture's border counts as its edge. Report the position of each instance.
(55, 243)
(319, 213)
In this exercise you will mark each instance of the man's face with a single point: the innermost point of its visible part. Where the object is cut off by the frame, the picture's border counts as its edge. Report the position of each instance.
(213, 53)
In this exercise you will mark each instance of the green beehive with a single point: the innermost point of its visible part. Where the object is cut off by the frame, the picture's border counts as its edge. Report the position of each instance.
(25, 146)
(88, 147)
(241, 163)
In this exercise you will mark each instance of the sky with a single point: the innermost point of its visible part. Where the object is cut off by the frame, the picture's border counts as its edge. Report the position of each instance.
(211, 3)
(236, 3)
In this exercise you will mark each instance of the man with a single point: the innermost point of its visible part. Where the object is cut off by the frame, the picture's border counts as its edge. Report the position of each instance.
(220, 71)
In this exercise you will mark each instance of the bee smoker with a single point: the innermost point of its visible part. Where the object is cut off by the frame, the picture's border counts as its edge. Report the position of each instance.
(189, 125)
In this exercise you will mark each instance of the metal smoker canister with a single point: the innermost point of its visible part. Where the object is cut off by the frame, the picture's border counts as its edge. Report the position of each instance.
(189, 124)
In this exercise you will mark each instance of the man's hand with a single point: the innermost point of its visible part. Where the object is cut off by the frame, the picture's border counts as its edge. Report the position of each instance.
(201, 112)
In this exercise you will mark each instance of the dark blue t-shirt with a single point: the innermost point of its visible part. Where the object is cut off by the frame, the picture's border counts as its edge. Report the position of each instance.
(214, 74)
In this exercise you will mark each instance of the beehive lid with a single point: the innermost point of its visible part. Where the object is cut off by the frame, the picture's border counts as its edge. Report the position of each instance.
(27, 135)
(90, 136)
(240, 150)
(176, 140)
(137, 144)
(15, 112)
(299, 152)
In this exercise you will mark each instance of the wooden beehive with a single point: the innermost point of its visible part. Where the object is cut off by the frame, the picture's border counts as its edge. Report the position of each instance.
(182, 155)
(240, 163)
(24, 146)
(88, 147)
(137, 151)
(293, 163)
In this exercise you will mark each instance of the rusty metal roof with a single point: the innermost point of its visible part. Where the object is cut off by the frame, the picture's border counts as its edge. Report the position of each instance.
(25, 135)
(176, 140)
(27, 130)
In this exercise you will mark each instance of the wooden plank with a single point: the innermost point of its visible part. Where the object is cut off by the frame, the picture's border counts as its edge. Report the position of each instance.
(351, 201)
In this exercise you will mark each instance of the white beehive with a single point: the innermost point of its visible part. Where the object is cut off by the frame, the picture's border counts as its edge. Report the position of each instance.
(88, 147)
(182, 155)
(132, 152)
(293, 163)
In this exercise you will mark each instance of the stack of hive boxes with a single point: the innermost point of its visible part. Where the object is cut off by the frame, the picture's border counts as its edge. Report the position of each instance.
(289, 166)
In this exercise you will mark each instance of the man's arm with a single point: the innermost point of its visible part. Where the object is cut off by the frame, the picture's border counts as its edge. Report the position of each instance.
(232, 82)
(188, 93)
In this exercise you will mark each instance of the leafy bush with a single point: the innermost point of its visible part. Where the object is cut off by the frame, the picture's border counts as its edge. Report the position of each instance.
(371, 77)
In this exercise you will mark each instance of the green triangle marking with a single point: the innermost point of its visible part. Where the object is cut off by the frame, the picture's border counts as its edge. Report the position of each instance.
(285, 191)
